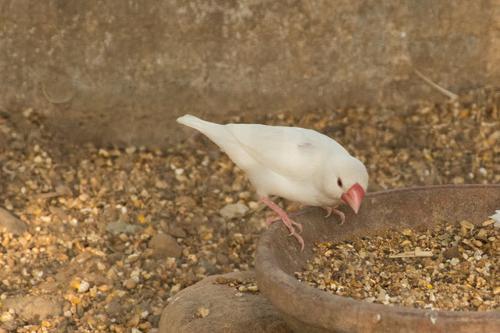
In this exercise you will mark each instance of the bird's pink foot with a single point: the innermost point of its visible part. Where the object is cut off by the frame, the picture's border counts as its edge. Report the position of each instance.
(272, 220)
(287, 221)
(330, 210)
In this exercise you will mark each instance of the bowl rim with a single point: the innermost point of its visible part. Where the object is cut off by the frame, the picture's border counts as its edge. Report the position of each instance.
(269, 272)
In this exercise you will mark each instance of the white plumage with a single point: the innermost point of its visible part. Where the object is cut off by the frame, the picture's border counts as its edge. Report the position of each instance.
(294, 163)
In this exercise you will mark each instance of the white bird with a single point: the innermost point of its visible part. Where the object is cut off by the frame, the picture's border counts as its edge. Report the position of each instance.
(294, 163)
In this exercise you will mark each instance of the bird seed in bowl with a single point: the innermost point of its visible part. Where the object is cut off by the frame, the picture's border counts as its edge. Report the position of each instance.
(447, 267)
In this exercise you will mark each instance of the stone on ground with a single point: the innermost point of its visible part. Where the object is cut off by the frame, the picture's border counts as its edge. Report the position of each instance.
(210, 306)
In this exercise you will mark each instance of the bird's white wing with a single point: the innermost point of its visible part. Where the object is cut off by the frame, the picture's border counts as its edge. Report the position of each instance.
(290, 151)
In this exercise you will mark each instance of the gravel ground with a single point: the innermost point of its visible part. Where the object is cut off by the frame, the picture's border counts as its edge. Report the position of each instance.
(98, 240)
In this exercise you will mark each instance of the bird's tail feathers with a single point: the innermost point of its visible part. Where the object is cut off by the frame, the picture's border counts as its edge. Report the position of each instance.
(194, 122)
(217, 133)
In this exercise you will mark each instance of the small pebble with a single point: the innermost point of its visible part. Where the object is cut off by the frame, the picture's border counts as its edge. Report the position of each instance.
(83, 287)
(202, 312)
(467, 224)
(130, 284)
(6, 316)
(10, 223)
(231, 211)
(164, 245)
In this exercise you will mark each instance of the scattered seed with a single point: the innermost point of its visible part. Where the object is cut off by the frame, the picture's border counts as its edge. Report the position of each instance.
(460, 277)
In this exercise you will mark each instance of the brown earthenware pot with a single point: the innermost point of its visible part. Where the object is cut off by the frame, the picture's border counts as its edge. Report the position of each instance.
(307, 309)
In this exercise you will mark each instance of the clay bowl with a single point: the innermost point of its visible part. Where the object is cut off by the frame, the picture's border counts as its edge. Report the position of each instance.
(307, 309)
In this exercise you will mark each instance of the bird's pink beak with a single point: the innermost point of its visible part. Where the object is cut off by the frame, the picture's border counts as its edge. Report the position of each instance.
(354, 196)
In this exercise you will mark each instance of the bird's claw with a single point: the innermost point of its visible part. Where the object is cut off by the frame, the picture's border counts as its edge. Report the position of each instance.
(294, 233)
(330, 210)
(341, 215)
(270, 221)
(299, 239)
(292, 230)
(298, 225)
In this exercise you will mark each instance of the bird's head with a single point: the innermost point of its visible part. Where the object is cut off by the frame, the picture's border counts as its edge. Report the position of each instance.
(349, 181)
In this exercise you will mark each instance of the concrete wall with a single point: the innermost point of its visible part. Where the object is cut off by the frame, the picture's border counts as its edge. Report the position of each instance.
(121, 71)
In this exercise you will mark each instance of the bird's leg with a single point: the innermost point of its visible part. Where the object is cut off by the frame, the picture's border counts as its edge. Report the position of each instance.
(289, 223)
(330, 210)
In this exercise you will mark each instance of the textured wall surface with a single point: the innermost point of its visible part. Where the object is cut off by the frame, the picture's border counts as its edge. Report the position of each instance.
(115, 71)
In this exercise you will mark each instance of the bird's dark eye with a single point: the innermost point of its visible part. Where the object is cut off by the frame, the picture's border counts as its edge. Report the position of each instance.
(339, 182)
